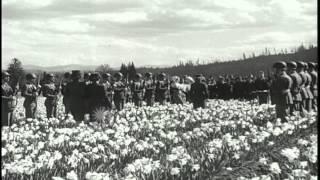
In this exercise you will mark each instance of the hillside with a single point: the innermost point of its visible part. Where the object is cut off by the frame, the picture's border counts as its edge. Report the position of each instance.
(239, 67)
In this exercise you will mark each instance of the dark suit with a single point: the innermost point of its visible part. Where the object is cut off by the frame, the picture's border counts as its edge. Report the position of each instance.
(199, 93)
(75, 92)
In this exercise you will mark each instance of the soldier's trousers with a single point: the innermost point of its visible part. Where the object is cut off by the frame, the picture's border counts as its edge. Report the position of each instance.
(282, 111)
(51, 110)
(66, 105)
(315, 103)
(30, 110)
(308, 104)
(150, 101)
(119, 103)
(108, 101)
(198, 104)
(295, 107)
(6, 118)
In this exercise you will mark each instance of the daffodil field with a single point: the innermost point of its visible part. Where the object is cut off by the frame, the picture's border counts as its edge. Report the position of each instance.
(228, 140)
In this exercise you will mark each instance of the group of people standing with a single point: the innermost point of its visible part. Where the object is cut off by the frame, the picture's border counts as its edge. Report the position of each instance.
(293, 88)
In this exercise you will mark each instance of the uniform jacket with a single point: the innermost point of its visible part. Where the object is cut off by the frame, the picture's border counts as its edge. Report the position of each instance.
(296, 86)
(314, 83)
(280, 90)
(308, 85)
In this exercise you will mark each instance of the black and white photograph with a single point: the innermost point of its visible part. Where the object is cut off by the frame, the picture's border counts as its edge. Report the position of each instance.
(159, 90)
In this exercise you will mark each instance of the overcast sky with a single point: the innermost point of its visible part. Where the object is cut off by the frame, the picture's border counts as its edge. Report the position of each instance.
(150, 32)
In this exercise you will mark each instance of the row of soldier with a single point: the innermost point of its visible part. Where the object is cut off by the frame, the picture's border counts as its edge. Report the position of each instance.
(81, 97)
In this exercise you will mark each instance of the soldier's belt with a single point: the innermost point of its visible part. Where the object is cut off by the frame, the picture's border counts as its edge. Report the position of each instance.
(285, 91)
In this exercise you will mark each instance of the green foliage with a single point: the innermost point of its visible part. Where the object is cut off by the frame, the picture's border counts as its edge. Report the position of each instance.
(16, 71)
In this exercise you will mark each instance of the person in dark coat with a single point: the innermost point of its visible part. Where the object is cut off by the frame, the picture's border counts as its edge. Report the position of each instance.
(50, 91)
(30, 91)
(199, 93)
(212, 88)
(149, 89)
(119, 92)
(95, 94)
(106, 83)
(137, 89)
(8, 100)
(314, 84)
(65, 100)
(295, 88)
(75, 92)
(280, 91)
(261, 88)
(238, 88)
(308, 89)
(162, 87)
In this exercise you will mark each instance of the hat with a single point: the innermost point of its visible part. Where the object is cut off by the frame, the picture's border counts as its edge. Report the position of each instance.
(31, 76)
(280, 65)
(67, 74)
(76, 73)
(292, 65)
(311, 65)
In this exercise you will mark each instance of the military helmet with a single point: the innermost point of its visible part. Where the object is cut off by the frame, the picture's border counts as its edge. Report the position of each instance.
(292, 65)
(300, 64)
(106, 75)
(50, 75)
(5, 74)
(138, 75)
(86, 75)
(280, 65)
(148, 74)
(31, 76)
(162, 75)
(311, 65)
(118, 74)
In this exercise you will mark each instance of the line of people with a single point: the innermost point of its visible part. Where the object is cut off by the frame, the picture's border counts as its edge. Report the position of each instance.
(293, 88)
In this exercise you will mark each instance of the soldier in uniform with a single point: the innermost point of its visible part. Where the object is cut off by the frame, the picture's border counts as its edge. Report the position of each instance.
(261, 88)
(161, 89)
(149, 89)
(8, 100)
(199, 93)
(65, 100)
(106, 82)
(119, 92)
(95, 94)
(304, 94)
(75, 92)
(307, 87)
(212, 88)
(137, 89)
(50, 91)
(295, 88)
(30, 91)
(314, 84)
(86, 78)
(280, 91)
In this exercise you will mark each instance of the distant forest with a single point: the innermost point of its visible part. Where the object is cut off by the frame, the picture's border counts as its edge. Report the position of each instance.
(243, 67)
